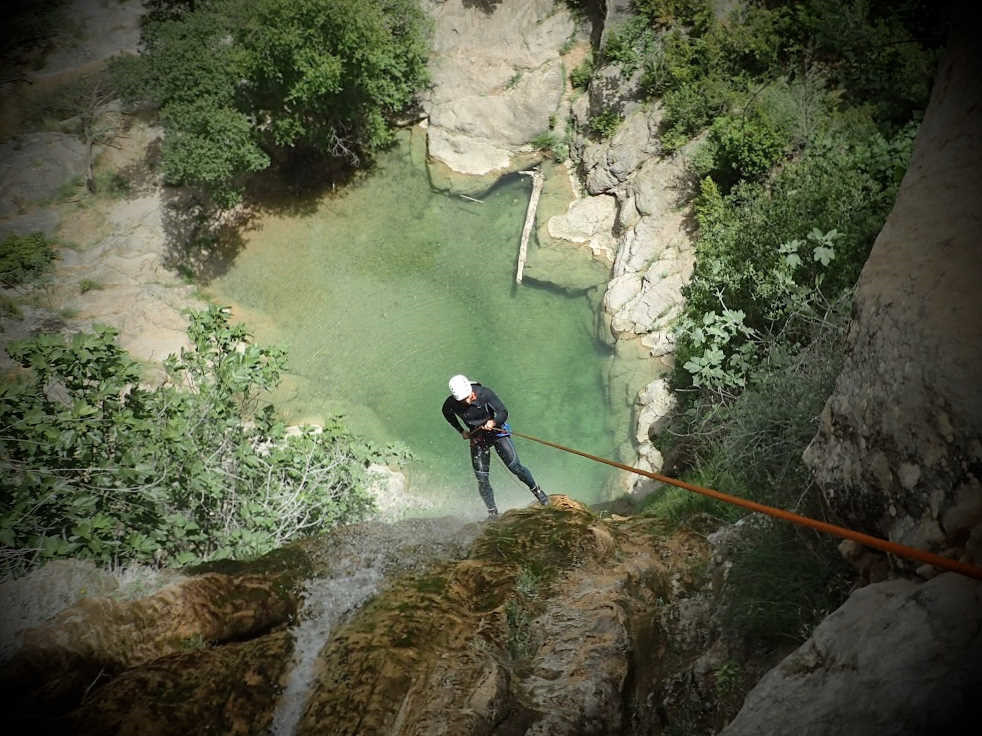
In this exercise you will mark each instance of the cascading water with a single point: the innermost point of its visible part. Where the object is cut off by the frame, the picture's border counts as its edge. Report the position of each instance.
(326, 601)
(358, 560)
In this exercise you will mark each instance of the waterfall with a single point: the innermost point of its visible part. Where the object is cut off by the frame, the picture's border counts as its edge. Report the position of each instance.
(360, 562)
(326, 600)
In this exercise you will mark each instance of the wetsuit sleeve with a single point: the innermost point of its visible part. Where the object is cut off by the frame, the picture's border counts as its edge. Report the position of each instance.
(497, 409)
(448, 414)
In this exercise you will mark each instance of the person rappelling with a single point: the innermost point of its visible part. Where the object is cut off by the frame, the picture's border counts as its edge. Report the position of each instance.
(485, 424)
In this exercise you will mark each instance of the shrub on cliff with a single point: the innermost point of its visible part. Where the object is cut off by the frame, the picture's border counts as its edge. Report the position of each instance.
(238, 81)
(25, 258)
(96, 465)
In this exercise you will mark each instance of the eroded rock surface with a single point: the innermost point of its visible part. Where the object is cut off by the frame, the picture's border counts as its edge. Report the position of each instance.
(899, 448)
(897, 658)
(536, 632)
(55, 664)
(35, 166)
(545, 623)
(497, 78)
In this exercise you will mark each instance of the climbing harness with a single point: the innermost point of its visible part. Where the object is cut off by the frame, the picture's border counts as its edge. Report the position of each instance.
(911, 553)
(489, 436)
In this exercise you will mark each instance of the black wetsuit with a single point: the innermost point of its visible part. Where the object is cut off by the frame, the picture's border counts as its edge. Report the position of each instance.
(488, 406)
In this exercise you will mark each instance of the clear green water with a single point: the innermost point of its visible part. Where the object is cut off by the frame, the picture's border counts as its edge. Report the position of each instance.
(388, 289)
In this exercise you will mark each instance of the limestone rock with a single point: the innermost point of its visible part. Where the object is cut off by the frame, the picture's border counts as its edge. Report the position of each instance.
(657, 402)
(588, 221)
(611, 162)
(30, 600)
(656, 185)
(616, 12)
(99, 30)
(39, 221)
(475, 648)
(497, 78)
(610, 90)
(134, 290)
(230, 689)
(642, 303)
(896, 659)
(99, 636)
(898, 446)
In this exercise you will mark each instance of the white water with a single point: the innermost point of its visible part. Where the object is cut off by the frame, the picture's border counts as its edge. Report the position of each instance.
(326, 601)
(361, 559)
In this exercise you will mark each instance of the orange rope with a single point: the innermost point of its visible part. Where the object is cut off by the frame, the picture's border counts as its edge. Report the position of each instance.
(900, 550)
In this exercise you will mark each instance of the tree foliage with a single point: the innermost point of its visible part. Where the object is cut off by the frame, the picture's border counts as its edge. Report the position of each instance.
(97, 465)
(776, 253)
(798, 118)
(240, 81)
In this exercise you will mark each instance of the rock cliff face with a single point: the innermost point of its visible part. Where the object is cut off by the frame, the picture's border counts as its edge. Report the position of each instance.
(545, 623)
(897, 659)
(899, 453)
(899, 449)
(497, 79)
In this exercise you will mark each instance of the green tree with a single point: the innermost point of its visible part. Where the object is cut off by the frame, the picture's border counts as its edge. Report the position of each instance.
(96, 465)
(239, 82)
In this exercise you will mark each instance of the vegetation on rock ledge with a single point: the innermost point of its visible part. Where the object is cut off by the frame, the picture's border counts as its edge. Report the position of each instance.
(96, 465)
(798, 119)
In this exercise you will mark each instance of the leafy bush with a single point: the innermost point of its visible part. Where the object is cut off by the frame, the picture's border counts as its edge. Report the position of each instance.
(25, 258)
(9, 308)
(783, 581)
(544, 141)
(767, 252)
(879, 54)
(809, 109)
(690, 13)
(747, 147)
(236, 80)
(605, 123)
(783, 578)
(580, 76)
(96, 465)
(629, 45)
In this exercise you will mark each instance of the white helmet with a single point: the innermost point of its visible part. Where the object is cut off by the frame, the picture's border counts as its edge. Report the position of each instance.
(460, 387)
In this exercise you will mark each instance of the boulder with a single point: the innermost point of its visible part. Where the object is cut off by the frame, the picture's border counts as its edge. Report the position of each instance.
(641, 303)
(656, 186)
(588, 221)
(896, 659)
(497, 78)
(609, 163)
(610, 89)
(131, 287)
